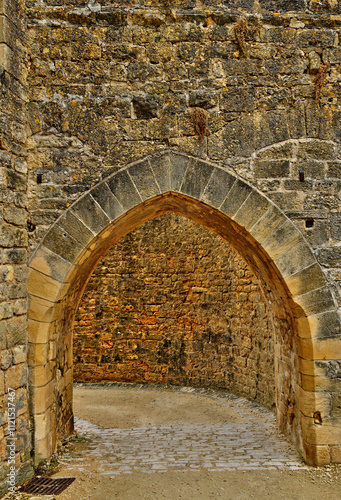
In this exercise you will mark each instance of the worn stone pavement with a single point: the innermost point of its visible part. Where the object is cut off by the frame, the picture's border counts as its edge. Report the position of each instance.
(252, 445)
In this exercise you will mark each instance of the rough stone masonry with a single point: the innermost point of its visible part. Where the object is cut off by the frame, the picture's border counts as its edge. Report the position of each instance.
(113, 113)
(172, 303)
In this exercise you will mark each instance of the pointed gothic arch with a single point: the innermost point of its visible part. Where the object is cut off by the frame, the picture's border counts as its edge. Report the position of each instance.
(232, 208)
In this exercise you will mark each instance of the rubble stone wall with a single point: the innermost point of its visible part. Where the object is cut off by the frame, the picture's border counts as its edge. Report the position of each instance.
(172, 303)
(15, 428)
(252, 87)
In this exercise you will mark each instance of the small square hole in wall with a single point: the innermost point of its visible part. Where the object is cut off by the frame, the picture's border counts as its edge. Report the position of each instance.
(39, 178)
(309, 223)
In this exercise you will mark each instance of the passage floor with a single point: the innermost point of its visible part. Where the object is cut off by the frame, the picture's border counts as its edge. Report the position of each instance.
(143, 429)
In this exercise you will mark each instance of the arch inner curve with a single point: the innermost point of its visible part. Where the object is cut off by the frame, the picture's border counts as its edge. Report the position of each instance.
(301, 301)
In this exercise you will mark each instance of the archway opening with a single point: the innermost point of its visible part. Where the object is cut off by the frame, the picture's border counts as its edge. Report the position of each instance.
(306, 321)
(59, 417)
(174, 304)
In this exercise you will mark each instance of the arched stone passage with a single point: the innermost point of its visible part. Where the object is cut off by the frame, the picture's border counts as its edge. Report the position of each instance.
(172, 303)
(258, 230)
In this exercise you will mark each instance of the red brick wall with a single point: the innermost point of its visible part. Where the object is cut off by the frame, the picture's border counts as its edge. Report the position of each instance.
(172, 303)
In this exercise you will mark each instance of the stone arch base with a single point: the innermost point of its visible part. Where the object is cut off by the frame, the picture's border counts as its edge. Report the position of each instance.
(307, 341)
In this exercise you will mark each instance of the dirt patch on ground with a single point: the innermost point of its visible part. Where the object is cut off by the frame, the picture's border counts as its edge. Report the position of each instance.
(204, 485)
(126, 407)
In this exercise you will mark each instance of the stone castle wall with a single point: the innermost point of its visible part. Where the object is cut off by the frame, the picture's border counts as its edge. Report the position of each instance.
(112, 83)
(87, 88)
(13, 247)
(172, 303)
(258, 95)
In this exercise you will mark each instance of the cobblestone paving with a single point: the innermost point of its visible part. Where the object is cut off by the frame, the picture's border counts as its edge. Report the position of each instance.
(253, 445)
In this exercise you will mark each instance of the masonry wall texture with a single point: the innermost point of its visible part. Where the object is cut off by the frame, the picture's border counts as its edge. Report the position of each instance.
(172, 303)
(88, 87)
(13, 242)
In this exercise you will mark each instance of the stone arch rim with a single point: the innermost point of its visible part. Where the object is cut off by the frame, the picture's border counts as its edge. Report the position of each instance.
(215, 167)
(269, 222)
(173, 152)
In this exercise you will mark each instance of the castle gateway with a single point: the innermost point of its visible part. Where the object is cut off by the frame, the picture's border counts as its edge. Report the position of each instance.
(226, 114)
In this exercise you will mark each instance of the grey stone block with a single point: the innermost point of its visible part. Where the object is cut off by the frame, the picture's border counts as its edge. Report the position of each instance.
(124, 190)
(75, 228)
(91, 214)
(239, 99)
(312, 169)
(61, 243)
(271, 220)
(336, 404)
(161, 168)
(235, 198)
(252, 210)
(329, 257)
(335, 226)
(316, 150)
(17, 291)
(179, 166)
(217, 188)
(297, 258)
(282, 239)
(107, 201)
(272, 168)
(16, 333)
(196, 178)
(144, 180)
(15, 256)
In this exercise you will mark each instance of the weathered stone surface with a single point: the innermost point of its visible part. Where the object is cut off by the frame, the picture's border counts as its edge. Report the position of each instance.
(305, 280)
(299, 257)
(75, 228)
(271, 220)
(196, 178)
(40, 309)
(317, 301)
(329, 257)
(336, 405)
(238, 193)
(38, 332)
(106, 200)
(91, 214)
(157, 336)
(252, 210)
(124, 190)
(144, 180)
(43, 286)
(281, 240)
(61, 243)
(272, 168)
(16, 376)
(50, 264)
(179, 165)
(16, 331)
(107, 86)
(218, 188)
(15, 256)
